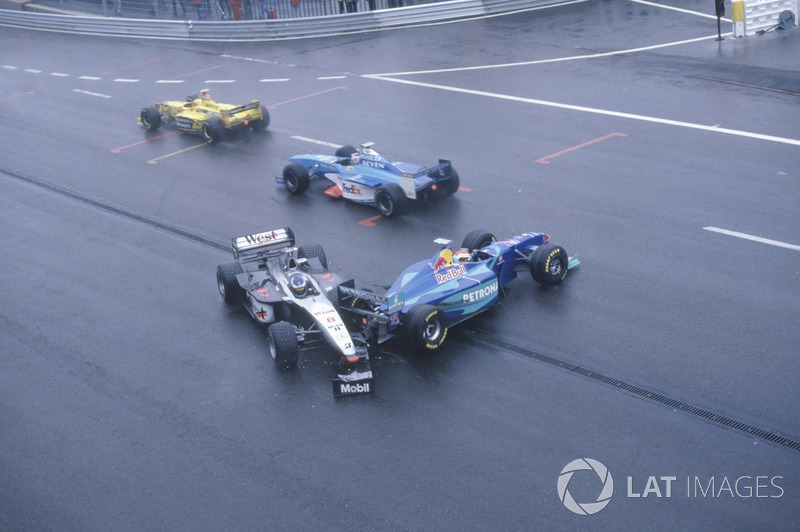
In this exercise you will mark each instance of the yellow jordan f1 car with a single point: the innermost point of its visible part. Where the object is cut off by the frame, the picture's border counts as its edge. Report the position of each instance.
(201, 115)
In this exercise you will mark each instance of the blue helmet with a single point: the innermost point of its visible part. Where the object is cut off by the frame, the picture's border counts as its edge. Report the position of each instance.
(298, 284)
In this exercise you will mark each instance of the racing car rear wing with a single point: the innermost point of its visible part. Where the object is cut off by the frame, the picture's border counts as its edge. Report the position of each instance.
(442, 169)
(255, 104)
(258, 245)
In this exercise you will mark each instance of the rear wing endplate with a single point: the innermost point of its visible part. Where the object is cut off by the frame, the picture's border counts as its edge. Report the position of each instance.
(257, 245)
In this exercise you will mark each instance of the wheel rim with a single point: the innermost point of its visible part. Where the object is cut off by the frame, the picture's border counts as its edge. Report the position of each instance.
(207, 133)
(291, 183)
(146, 120)
(433, 330)
(272, 348)
(221, 286)
(385, 204)
(556, 266)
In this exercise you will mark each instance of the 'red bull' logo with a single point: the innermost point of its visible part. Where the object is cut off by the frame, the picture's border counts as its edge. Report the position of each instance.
(452, 273)
(443, 260)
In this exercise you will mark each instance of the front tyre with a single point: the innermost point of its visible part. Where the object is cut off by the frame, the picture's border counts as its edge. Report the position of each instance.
(425, 327)
(213, 130)
(390, 200)
(151, 118)
(227, 284)
(283, 344)
(549, 264)
(477, 239)
(296, 178)
(346, 151)
(313, 251)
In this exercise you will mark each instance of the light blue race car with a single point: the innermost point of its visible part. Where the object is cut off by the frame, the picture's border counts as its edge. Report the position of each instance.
(364, 176)
(434, 294)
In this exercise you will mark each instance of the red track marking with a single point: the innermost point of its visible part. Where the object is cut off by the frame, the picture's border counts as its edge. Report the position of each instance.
(16, 95)
(274, 105)
(544, 160)
(465, 189)
(117, 150)
(369, 221)
(137, 64)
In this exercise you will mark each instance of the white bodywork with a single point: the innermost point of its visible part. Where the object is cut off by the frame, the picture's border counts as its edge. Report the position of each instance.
(320, 308)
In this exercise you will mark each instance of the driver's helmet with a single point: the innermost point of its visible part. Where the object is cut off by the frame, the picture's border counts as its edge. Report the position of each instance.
(204, 94)
(298, 284)
(355, 159)
(462, 255)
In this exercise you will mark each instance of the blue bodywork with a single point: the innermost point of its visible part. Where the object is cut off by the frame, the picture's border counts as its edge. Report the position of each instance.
(359, 175)
(464, 289)
(460, 289)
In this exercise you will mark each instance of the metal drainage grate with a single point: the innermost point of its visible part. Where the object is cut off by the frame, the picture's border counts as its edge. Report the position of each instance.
(750, 430)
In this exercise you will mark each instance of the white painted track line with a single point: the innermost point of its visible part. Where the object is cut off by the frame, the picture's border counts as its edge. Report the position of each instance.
(315, 141)
(745, 236)
(630, 116)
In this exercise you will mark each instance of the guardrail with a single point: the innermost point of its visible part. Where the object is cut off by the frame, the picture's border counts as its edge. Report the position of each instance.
(269, 29)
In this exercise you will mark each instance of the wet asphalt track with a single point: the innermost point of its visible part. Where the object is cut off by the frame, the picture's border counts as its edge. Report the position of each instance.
(131, 397)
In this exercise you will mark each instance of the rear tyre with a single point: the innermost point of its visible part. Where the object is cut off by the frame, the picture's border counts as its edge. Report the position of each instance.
(549, 264)
(346, 151)
(296, 178)
(283, 344)
(425, 328)
(477, 239)
(227, 284)
(213, 130)
(450, 186)
(390, 200)
(313, 251)
(260, 124)
(151, 118)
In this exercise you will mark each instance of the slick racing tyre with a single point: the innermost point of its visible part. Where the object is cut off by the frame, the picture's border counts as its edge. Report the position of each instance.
(549, 264)
(295, 178)
(425, 327)
(213, 130)
(283, 344)
(313, 251)
(390, 200)
(346, 151)
(450, 186)
(227, 284)
(260, 124)
(477, 239)
(151, 118)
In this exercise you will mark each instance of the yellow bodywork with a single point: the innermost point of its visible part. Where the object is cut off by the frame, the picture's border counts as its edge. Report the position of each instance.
(205, 116)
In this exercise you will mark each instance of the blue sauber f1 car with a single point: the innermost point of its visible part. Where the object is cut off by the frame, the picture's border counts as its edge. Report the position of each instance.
(364, 176)
(434, 294)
